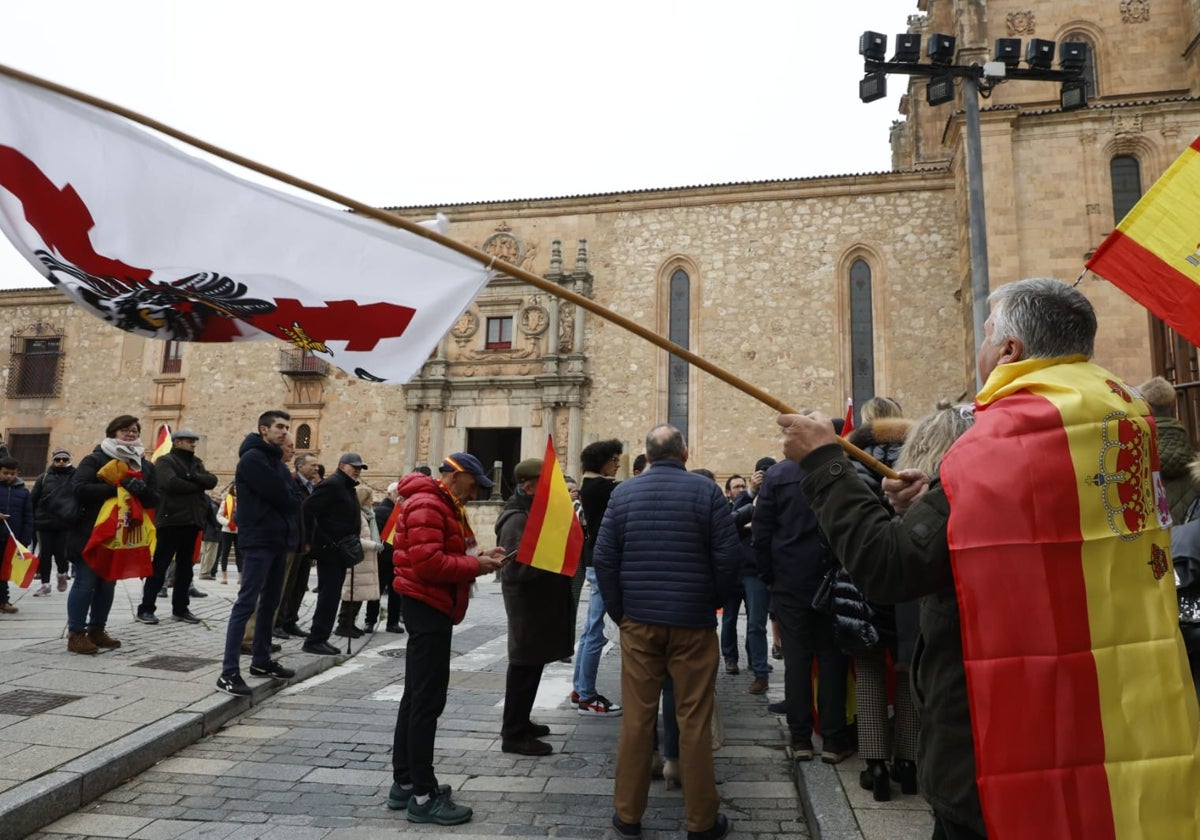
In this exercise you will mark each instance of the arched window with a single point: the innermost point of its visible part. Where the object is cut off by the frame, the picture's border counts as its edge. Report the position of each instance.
(862, 334)
(1126, 175)
(304, 436)
(678, 325)
(1089, 67)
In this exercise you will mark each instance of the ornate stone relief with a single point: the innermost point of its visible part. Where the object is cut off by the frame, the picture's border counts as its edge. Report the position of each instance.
(465, 327)
(1020, 23)
(566, 327)
(1135, 11)
(1127, 123)
(534, 319)
(503, 245)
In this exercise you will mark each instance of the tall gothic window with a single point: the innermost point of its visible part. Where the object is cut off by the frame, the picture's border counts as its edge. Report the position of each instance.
(678, 326)
(1126, 175)
(862, 334)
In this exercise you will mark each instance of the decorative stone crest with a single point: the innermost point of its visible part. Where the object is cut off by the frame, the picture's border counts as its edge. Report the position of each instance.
(1127, 124)
(1135, 11)
(534, 319)
(503, 245)
(466, 326)
(1020, 23)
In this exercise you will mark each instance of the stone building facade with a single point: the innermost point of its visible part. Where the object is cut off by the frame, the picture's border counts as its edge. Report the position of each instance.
(814, 290)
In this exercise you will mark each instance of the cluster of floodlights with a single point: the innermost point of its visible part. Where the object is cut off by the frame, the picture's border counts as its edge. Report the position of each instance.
(1039, 61)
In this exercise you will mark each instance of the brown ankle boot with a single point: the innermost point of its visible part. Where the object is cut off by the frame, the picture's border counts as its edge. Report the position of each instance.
(78, 642)
(101, 639)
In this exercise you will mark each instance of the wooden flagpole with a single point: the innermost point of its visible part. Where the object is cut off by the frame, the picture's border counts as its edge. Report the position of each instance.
(488, 260)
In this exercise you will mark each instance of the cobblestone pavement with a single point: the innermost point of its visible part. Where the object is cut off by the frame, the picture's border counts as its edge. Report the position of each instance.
(313, 761)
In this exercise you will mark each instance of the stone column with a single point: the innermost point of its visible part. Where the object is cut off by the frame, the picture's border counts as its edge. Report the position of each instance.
(437, 428)
(412, 432)
(574, 439)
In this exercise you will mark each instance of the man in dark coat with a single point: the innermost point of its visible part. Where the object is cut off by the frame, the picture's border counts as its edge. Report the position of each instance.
(383, 512)
(183, 484)
(299, 564)
(54, 511)
(665, 559)
(268, 519)
(330, 513)
(541, 619)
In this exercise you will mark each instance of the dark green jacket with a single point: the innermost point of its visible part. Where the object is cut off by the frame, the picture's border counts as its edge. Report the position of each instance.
(893, 560)
(1175, 457)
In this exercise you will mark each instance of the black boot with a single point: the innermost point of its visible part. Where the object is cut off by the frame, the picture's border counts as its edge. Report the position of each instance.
(905, 772)
(875, 779)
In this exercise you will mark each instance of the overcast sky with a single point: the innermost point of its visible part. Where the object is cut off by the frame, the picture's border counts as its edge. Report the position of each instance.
(403, 103)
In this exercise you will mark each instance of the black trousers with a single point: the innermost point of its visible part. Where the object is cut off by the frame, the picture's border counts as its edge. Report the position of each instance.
(387, 573)
(176, 544)
(52, 549)
(943, 829)
(426, 681)
(808, 634)
(520, 690)
(294, 588)
(330, 577)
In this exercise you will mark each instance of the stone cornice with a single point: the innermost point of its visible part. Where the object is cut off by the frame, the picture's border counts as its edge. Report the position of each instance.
(933, 178)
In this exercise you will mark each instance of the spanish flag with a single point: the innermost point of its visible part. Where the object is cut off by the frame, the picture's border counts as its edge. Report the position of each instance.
(122, 541)
(553, 538)
(389, 527)
(1154, 253)
(162, 442)
(19, 565)
(1082, 706)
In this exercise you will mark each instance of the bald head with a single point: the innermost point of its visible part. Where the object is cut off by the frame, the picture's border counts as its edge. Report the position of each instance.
(665, 443)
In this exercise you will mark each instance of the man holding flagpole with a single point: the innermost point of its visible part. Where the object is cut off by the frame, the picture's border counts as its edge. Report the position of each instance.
(1056, 695)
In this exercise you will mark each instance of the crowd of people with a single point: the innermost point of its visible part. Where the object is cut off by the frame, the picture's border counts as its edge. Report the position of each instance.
(972, 576)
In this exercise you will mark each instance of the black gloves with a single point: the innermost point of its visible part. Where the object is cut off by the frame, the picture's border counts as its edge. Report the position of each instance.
(134, 485)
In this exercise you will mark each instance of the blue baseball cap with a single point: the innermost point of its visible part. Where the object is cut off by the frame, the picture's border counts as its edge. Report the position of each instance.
(468, 463)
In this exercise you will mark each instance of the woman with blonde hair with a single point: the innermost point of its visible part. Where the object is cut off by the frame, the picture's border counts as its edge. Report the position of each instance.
(362, 579)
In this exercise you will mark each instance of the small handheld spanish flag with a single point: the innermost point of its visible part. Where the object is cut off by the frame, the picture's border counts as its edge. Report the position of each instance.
(162, 442)
(553, 538)
(19, 565)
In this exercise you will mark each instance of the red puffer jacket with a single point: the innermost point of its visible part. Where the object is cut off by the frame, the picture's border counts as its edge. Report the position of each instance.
(431, 542)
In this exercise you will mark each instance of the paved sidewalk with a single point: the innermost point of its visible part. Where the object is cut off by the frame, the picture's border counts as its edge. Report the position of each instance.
(143, 746)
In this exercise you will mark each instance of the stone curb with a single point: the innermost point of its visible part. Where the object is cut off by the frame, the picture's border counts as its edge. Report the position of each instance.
(34, 804)
(826, 808)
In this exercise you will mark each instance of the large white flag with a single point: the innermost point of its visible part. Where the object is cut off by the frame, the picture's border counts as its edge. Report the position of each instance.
(162, 244)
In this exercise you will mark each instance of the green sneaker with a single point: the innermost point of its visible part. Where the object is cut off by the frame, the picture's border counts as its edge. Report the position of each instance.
(398, 796)
(438, 810)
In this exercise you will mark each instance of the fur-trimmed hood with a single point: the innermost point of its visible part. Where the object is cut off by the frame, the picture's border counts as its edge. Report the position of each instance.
(881, 432)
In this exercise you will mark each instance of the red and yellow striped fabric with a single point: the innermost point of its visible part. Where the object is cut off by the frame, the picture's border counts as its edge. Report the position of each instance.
(162, 443)
(553, 537)
(1082, 706)
(122, 541)
(1154, 255)
(389, 527)
(18, 564)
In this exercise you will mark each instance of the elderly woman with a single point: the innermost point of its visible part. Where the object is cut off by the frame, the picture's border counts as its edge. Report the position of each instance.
(116, 480)
(362, 581)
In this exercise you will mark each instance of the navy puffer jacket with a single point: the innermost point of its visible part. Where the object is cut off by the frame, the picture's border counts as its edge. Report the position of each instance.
(667, 552)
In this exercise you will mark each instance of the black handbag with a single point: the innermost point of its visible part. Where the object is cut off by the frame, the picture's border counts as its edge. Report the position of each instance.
(346, 551)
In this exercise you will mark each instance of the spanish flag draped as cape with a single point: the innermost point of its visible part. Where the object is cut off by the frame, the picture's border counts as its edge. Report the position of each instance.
(122, 541)
(1082, 706)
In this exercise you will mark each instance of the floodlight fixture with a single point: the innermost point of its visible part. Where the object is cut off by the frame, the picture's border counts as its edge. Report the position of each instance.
(908, 48)
(1073, 94)
(873, 86)
(1008, 50)
(1039, 53)
(1072, 55)
(872, 46)
(940, 89)
(940, 48)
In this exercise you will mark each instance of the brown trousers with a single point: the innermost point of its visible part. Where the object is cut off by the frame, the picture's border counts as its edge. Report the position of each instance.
(690, 655)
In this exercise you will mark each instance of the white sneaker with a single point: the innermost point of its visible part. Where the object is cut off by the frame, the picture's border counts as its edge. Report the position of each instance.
(44, 589)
